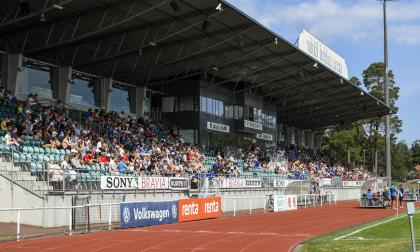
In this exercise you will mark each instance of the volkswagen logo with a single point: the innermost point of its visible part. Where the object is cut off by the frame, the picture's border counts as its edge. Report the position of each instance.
(174, 211)
(126, 214)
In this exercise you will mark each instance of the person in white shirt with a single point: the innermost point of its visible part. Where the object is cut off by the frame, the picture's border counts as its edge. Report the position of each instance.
(56, 174)
(113, 167)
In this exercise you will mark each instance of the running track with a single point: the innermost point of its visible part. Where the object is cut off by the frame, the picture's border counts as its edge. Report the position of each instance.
(259, 232)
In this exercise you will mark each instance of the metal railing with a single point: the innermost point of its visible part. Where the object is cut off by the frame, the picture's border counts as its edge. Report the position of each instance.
(17, 167)
(90, 217)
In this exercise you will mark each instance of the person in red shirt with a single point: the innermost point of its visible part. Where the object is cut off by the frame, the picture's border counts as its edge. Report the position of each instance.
(104, 159)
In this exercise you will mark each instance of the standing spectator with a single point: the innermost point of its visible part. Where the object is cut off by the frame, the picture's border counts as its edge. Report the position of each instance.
(393, 194)
(401, 195)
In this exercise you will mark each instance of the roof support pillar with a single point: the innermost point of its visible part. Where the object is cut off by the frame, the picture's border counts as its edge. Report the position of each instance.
(290, 135)
(310, 143)
(317, 141)
(11, 72)
(102, 91)
(138, 101)
(300, 136)
(61, 83)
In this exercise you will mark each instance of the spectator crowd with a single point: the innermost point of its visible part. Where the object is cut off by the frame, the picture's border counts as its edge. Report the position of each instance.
(126, 145)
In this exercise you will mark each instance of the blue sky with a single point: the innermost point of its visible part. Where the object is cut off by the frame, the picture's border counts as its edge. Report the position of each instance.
(353, 28)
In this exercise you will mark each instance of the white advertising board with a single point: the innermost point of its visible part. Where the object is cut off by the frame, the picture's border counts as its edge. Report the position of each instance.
(315, 48)
(252, 125)
(218, 127)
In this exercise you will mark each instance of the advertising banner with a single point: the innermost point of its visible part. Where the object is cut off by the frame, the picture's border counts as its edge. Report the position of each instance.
(252, 125)
(146, 183)
(285, 203)
(280, 183)
(218, 127)
(199, 208)
(290, 202)
(232, 183)
(139, 214)
(253, 183)
(118, 183)
(240, 183)
(179, 183)
(325, 182)
(314, 47)
(352, 183)
(278, 203)
(265, 136)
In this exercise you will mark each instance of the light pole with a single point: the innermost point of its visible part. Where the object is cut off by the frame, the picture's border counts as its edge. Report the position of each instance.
(387, 117)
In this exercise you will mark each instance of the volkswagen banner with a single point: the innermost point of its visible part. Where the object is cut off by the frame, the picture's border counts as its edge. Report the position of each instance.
(140, 214)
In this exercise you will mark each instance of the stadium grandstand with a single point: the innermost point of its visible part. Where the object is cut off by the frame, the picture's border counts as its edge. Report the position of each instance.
(183, 97)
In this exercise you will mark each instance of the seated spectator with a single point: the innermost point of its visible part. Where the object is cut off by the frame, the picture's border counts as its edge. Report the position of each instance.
(56, 174)
(122, 167)
(113, 167)
(75, 162)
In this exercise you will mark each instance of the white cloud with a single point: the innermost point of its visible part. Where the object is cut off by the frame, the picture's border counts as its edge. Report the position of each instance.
(356, 20)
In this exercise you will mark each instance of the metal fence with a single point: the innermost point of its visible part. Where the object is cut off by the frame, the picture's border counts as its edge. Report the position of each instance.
(82, 216)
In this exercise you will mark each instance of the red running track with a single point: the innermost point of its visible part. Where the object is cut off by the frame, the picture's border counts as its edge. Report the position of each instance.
(259, 232)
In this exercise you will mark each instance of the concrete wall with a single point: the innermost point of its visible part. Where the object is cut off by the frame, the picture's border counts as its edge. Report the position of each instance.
(14, 196)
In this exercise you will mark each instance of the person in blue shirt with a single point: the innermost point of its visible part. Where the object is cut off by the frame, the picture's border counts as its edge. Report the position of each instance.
(393, 194)
(122, 167)
(369, 197)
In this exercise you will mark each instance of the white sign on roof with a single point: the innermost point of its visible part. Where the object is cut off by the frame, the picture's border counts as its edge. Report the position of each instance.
(312, 46)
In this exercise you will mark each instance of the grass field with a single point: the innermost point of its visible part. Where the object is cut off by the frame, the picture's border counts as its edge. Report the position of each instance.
(392, 236)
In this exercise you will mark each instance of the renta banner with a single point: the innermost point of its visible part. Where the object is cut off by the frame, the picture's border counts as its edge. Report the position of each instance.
(140, 214)
(199, 208)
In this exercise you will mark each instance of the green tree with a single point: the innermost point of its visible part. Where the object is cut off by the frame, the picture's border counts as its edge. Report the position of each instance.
(374, 82)
(401, 160)
(415, 153)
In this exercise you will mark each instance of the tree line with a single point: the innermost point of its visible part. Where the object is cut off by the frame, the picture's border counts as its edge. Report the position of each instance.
(362, 144)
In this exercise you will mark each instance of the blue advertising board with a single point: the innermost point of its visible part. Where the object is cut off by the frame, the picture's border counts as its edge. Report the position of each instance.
(139, 214)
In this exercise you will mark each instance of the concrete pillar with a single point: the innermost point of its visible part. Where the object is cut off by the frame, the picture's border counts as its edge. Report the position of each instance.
(61, 78)
(290, 135)
(310, 139)
(137, 97)
(102, 89)
(317, 141)
(300, 136)
(12, 72)
(106, 89)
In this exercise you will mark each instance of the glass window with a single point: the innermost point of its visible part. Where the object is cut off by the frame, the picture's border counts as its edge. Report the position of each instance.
(119, 100)
(221, 109)
(168, 104)
(203, 105)
(36, 81)
(209, 105)
(81, 92)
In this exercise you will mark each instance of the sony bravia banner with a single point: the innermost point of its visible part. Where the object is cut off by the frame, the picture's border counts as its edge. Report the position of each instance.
(118, 182)
(144, 183)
